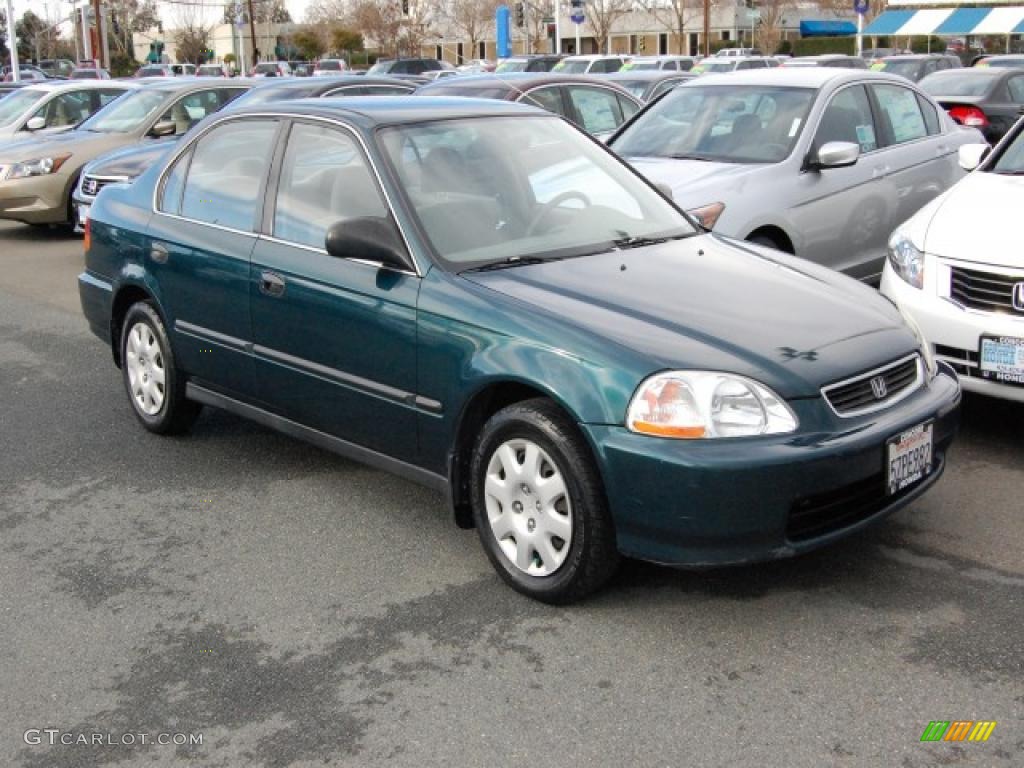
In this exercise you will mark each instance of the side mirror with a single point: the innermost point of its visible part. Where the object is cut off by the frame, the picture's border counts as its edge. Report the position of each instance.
(35, 124)
(970, 156)
(163, 128)
(369, 238)
(835, 154)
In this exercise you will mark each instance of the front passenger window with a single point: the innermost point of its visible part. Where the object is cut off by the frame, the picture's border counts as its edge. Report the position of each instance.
(324, 179)
(848, 118)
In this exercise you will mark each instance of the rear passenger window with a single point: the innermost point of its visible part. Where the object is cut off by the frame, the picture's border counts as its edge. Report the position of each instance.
(549, 98)
(227, 168)
(1016, 88)
(901, 114)
(848, 118)
(324, 179)
(598, 109)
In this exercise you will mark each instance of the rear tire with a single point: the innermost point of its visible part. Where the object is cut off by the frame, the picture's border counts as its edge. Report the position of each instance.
(155, 387)
(539, 504)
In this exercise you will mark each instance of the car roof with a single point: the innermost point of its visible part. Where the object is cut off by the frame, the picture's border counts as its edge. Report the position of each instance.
(990, 72)
(320, 84)
(51, 86)
(596, 56)
(371, 111)
(918, 56)
(520, 81)
(174, 84)
(797, 77)
(652, 75)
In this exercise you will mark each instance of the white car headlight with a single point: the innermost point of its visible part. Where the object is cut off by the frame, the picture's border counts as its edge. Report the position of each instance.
(906, 259)
(926, 348)
(706, 404)
(41, 166)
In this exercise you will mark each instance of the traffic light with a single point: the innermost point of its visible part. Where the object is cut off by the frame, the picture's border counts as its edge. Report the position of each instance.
(520, 14)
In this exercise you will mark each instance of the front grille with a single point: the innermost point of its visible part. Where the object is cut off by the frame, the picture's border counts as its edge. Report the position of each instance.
(875, 389)
(91, 185)
(964, 361)
(987, 291)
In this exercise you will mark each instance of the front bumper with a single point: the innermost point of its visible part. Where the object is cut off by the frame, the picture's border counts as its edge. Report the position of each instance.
(719, 502)
(80, 205)
(35, 200)
(953, 331)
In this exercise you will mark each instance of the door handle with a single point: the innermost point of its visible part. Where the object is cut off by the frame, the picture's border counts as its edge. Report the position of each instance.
(158, 253)
(271, 284)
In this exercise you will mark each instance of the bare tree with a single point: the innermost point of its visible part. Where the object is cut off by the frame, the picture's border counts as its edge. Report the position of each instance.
(191, 34)
(379, 20)
(470, 19)
(769, 31)
(128, 17)
(417, 26)
(675, 16)
(536, 12)
(602, 15)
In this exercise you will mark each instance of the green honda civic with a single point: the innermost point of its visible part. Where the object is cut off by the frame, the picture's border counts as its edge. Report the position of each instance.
(477, 296)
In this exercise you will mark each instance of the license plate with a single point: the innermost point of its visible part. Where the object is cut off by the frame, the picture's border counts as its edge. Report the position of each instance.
(83, 214)
(909, 457)
(1001, 358)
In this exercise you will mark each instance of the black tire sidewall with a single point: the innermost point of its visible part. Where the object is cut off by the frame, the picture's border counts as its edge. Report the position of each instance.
(143, 312)
(565, 449)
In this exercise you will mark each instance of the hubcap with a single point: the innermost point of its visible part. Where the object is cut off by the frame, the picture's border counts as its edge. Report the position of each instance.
(145, 363)
(528, 507)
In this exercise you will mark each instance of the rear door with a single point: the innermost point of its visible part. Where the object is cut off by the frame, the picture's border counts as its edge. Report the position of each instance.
(335, 338)
(201, 239)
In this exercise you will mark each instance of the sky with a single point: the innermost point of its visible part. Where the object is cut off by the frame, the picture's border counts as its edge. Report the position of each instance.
(297, 8)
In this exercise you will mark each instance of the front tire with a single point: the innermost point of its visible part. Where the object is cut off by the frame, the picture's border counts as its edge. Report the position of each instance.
(155, 387)
(539, 504)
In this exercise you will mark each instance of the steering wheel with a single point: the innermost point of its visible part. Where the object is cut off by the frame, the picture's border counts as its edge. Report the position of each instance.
(557, 200)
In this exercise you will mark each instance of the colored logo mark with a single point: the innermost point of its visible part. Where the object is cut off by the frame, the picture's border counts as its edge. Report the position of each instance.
(958, 730)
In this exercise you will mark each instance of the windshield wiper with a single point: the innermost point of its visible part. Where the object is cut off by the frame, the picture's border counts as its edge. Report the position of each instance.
(1010, 173)
(684, 156)
(511, 261)
(634, 241)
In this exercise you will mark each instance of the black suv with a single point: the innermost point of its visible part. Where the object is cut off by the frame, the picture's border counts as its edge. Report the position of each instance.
(404, 66)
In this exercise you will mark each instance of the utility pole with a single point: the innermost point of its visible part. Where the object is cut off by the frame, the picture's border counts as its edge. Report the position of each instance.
(707, 27)
(252, 32)
(12, 45)
(558, 26)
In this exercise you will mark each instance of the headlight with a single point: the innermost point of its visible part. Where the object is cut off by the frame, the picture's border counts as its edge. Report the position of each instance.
(708, 215)
(703, 404)
(41, 166)
(926, 348)
(906, 260)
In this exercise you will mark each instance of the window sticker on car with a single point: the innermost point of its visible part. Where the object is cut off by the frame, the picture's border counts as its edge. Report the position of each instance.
(866, 137)
(795, 126)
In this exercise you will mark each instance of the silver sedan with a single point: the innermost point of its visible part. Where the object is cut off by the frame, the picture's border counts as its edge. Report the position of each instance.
(820, 162)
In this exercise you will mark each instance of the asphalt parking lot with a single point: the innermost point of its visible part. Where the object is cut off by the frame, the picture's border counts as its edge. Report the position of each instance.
(296, 609)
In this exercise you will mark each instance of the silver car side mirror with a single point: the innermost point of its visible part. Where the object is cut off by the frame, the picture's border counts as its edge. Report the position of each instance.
(35, 123)
(970, 156)
(836, 154)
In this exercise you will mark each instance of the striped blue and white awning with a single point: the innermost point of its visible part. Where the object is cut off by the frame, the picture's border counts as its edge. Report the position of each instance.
(949, 21)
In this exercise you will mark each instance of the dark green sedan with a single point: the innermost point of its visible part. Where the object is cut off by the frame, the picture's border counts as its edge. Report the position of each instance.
(477, 296)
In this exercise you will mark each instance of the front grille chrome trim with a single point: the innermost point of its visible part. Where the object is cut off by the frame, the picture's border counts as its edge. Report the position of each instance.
(884, 403)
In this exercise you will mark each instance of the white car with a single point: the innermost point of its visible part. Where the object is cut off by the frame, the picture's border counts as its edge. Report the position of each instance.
(957, 268)
(592, 64)
(54, 106)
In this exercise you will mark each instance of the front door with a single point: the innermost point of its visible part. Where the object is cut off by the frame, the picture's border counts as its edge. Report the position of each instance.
(335, 338)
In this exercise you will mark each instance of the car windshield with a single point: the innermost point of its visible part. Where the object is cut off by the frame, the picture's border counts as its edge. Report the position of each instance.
(380, 68)
(483, 91)
(905, 68)
(718, 66)
(329, 65)
(638, 65)
(723, 123)
(495, 191)
(636, 87)
(125, 113)
(572, 67)
(266, 67)
(512, 65)
(152, 72)
(1011, 161)
(210, 69)
(957, 84)
(15, 105)
(1013, 63)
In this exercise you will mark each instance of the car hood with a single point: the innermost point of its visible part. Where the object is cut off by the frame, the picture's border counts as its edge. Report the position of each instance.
(83, 145)
(129, 162)
(976, 220)
(695, 183)
(712, 303)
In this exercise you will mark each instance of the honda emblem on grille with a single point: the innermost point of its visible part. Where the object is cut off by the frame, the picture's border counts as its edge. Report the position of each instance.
(879, 388)
(1018, 297)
